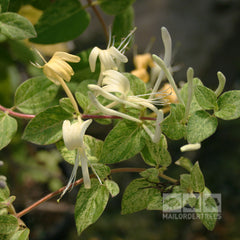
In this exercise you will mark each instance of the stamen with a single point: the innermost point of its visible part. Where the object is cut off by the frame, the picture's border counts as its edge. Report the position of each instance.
(126, 40)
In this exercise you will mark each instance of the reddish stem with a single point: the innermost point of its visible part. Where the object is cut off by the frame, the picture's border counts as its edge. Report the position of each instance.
(84, 116)
(16, 114)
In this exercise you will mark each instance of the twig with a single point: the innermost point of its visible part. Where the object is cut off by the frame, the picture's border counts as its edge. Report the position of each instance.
(59, 191)
(84, 116)
(100, 19)
(16, 114)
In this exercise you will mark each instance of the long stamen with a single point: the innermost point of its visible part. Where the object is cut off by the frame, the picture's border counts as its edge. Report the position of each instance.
(126, 40)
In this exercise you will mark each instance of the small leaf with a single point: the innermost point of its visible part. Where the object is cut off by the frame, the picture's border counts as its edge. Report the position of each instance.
(206, 209)
(201, 125)
(151, 174)
(103, 171)
(185, 163)
(61, 21)
(8, 224)
(155, 154)
(185, 182)
(83, 101)
(206, 98)
(197, 179)
(112, 187)
(8, 127)
(90, 204)
(137, 86)
(138, 194)
(65, 103)
(4, 194)
(123, 142)
(46, 127)
(20, 235)
(115, 7)
(35, 95)
(229, 105)
(123, 24)
(172, 125)
(15, 26)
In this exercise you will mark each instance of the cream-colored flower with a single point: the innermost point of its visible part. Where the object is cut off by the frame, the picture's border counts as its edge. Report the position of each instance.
(190, 147)
(57, 67)
(114, 81)
(73, 139)
(110, 58)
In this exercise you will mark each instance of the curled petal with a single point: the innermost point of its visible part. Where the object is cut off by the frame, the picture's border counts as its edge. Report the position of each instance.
(84, 166)
(117, 54)
(67, 57)
(107, 60)
(167, 41)
(93, 58)
(51, 75)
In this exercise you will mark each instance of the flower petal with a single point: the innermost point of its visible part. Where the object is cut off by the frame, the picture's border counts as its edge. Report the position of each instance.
(93, 58)
(67, 57)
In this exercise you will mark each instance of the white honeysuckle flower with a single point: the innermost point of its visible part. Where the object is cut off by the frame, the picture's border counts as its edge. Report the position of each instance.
(190, 147)
(110, 58)
(117, 82)
(73, 135)
(156, 73)
(57, 67)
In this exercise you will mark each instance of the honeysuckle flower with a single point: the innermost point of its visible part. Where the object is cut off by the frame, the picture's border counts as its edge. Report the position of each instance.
(57, 70)
(73, 139)
(157, 74)
(115, 82)
(57, 67)
(110, 58)
(190, 147)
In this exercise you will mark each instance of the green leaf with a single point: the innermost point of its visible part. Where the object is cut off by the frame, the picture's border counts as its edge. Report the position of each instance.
(15, 26)
(151, 174)
(137, 85)
(20, 235)
(123, 24)
(155, 154)
(185, 163)
(200, 126)
(4, 5)
(206, 98)
(138, 194)
(184, 94)
(185, 182)
(46, 127)
(206, 209)
(66, 104)
(115, 7)
(8, 127)
(35, 95)
(197, 179)
(173, 201)
(229, 105)
(172, 125)
(103, 171)
(83, 101)
(61, 21)
(93, 148)
(4, 194)
(8, 224)
(112, 187)
(123, 142)
(156, 203)
(83, 86)
(90, 205)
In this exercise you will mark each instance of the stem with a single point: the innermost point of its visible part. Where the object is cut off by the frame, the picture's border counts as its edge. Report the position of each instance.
(59, 191)
(16, 114)
(69, 94)
(99, 18)
(84, 116)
